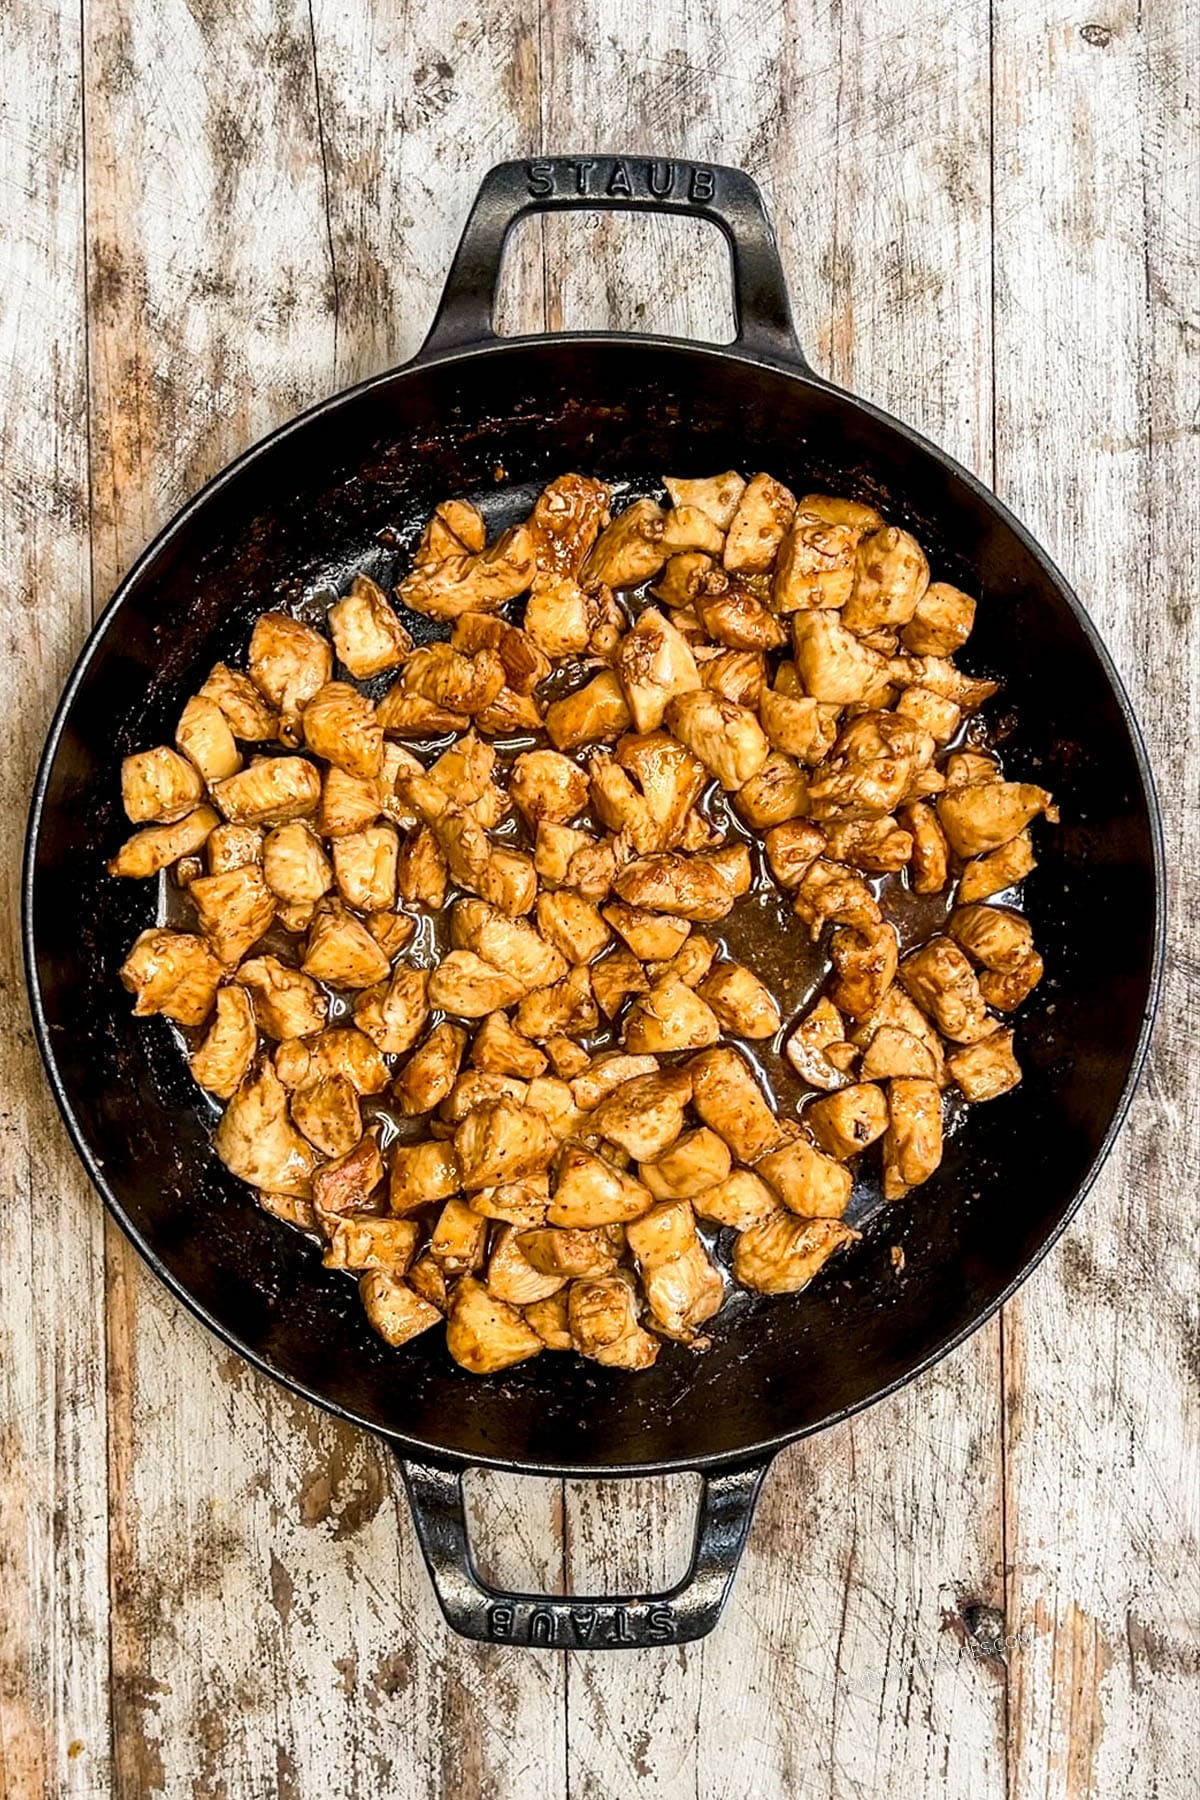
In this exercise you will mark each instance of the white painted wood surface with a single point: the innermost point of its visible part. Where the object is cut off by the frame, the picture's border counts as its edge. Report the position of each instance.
(990, 218)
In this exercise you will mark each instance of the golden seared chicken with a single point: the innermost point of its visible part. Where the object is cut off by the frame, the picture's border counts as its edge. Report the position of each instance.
(158, 846)
(257, 1141)
(367, 635)
(485, 1334)
(549, 817)
(206, 738)
(782, 1253)
(222, 1060)
(173, 973)
(159, 786)
(602, 1315)
(287, 1003)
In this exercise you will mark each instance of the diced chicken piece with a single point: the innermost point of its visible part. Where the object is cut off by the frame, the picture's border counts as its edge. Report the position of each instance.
(725, 737)
(500, 1050)
(655, 665)
(798, 725)
(629, 550)
(815, 567)
(740, 620)
(249, 716)
(727, 1097)
(782, 1253)
(421, 873)
(287, 1003)
(606, 1074)
(995, 936)
(205, 737)
(669, 781)
(940, 718)
(575, 1253)
(757, 528)
(520, 1203)
(670, 1017)
(473, 1087)
(690, 528)
(651, 936)
(567, 1009)
(880, 845)
(510, 715)
(447, 678)
(391, 931)
(395, 1311)
(288, 662)
(340, 950)
(550, 1318)
(502, 1141)
(702, 888)
(479, 582)
(942, 622)
(603, 1318)
(818, 1050)
(222, 1061)
(897, 1010)
(846, 1122)
(465, 985)
(555, 847)
(829, 892)
(431, 1071)
(372, 1244)
(367, 635)
(234, 910)
(524, 664)
(232, 847)
(742, 1004)
(328, 1115)
(484, 1334)
(807, 1180)
(505, 879)
(173, 973)
(507, 943)
(589, 1191)
(270, 791)
(836, 510)
(295, 867)
(567, 1059)
(1008, 989)
(159, 786)
(348, 1182)
(158, 846)
(978, 819)
(459, 1239)
(404, 713)
(690, 963)
(891, 575)
(777, 793)
(895, 1054)
(944, 985)
(739, 1201)
(834, 666)
(341, 727)
(559, 617)
(365, 865)
(941, 677)
(985, 1070)
(792, 849)
(348, 803)
(717, 495)
(865, 962)
(394, 1013)
(257, 1141)
(912, 1144)
(1000, 869)
(552, 1098)
(566, 520)
(340, 1051)
(593, 714)
(299, 1213)
(421, 1173)
(971, 768)
(572, 925)
(928, 870)
(735, 674)
(428, 1279)
(696, 1162)
(512, 1277)
(644, 1115)
(547, 785)
(455, 528)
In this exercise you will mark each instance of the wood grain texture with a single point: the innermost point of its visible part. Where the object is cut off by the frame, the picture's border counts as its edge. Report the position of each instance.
(986, 1586)
(54, 1710)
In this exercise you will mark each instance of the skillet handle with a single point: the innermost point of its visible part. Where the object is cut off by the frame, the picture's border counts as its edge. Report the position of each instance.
(682, 1613)
(726, 197)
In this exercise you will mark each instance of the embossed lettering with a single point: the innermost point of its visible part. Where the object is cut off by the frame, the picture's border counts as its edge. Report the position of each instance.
(584, 1620)
(541, 1626)
(541, 180)
(582, 171)
(702, 184)
(620, 1633)
(618, 182)
(500, 1621)
(660, 179)
(662, 1623)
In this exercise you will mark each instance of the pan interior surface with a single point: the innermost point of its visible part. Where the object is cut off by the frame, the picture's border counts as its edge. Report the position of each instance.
(347, 489)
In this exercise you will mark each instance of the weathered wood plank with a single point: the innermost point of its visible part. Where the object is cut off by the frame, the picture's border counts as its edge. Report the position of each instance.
(54, 1715)
(1098, 218)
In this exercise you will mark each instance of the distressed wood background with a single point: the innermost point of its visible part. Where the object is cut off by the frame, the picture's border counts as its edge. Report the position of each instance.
(214, 214)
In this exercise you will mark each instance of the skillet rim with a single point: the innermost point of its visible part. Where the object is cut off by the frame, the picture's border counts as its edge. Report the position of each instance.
(764, 1450)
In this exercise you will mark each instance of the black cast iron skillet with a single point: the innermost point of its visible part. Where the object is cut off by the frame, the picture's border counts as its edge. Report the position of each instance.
(345, 488)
